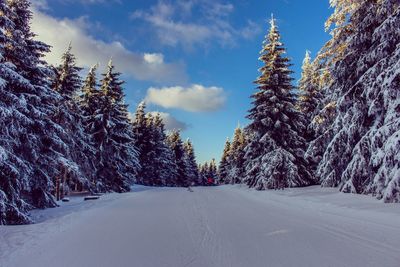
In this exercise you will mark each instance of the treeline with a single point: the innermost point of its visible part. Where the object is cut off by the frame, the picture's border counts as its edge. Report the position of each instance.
(165, 159)
(60, 132)
(342, 127)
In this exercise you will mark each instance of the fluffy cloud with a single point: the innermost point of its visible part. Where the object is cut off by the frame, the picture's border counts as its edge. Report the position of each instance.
(176, 23)
(89, 50)
(195, 98)
(171, 123)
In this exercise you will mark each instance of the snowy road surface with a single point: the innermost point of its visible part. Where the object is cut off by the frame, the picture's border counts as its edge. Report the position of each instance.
(220, 226)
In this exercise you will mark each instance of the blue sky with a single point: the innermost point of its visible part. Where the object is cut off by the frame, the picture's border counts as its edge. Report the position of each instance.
(192, 60)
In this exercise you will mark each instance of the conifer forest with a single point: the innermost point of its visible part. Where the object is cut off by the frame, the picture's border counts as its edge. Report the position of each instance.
(67, 130)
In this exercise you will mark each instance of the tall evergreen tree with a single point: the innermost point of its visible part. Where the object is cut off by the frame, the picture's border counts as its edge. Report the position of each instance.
(192, 171)
(275, 153)
(67, 82)
(203, 169)
(140, 131)
(237, 160)
(309, 95)
(175, 143)
(39, 141)
(14, 170)
(90, 95)
(113, 138)
(166, 168)
(362, 153)
(224, 165)
(212, 172)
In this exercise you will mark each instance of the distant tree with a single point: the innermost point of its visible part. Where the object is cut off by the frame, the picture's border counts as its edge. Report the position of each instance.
(237, 160)
(175, 143)
(165, 166)
(224, 165)
(212, 172)
(141, 132)
(309, 97)
(192, 171)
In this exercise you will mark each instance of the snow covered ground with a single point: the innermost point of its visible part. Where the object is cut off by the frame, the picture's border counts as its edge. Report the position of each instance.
(212, 226)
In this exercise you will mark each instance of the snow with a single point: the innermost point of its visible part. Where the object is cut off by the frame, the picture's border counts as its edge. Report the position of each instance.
(211, 226)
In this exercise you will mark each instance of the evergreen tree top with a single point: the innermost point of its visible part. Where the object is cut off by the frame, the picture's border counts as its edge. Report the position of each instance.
(111, 85)
(274, 100)
(140, 114)
(275, 71)
(68, 80)
(158, 122)
(90, 84)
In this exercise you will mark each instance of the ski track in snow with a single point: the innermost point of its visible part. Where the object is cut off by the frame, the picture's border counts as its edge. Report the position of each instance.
(226, 226)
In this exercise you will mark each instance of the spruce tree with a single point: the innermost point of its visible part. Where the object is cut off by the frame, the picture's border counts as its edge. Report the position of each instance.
(275, 153)
(165, 167)
(309, 95)
(212, 172)
(14, 170)
(90, 95)
(39, 141)
(113, 138)
(362, 153)
(70, 116)
(141, 132)
(175, 143)
(224, 165)
(192, 171)
(237, 160)
(67, 80)
(203, 168)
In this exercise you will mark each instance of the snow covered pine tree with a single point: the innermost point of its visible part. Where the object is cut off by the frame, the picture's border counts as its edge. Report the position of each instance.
(274, 155)
(192, 171)
(363, 152)
(224, 164)
(237, 153)
(37, 145)
(175, 143)
(79, 172)
(113, 136)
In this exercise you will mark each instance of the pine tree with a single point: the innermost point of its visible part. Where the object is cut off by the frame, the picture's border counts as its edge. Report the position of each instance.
(212, 172)
(13, 169)
(90, 95)
(237, 160)
(203, 168)
(275, 153)
(165, 167)
(113, 138)
(39, 141)
(140, 131)
(175, 143)
(192, 171)
(67, 80)
(309, 95)
(71, 117)
(224, 165)
(362, 153)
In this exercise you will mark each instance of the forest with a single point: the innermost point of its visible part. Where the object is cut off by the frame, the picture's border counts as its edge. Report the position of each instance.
(339, 127)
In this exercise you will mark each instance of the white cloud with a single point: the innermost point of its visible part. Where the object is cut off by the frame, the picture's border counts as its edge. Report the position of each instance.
(90, 50)
(154, 58)
(177, 24)
(171, 123)
(195, 98)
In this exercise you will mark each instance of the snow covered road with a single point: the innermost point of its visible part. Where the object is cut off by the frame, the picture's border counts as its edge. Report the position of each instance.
(215, 226)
